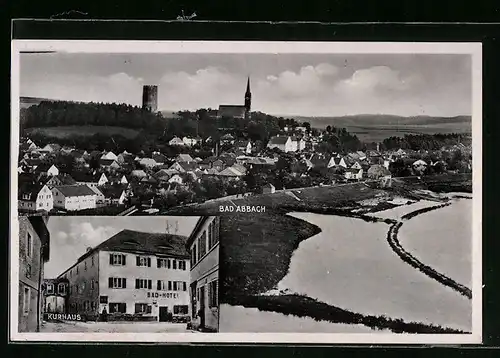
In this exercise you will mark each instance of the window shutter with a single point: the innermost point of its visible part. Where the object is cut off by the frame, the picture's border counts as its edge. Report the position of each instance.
(138, 261)
(111, 259)
(148, 309)
(124, 260)
(158, 286)
(170, 285)
(158, 262)
(149, 261)
(124, 282)
(184, 286)
(110, 282)
(149, 284)
(136, 283)
(168, 263)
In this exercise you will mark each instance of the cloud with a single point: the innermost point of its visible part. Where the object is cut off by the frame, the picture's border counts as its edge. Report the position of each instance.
(85, 234)
(378, 78)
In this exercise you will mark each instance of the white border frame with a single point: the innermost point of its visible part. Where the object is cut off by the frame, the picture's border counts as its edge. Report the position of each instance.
(71, 46)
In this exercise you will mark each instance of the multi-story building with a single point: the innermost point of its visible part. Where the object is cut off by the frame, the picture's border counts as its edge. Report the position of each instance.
(74, 197)
(203, 245)
(55, 293)
(34, 246)
(145, 275)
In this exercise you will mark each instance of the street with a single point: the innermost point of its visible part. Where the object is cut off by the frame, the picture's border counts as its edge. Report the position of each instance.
(113, 327)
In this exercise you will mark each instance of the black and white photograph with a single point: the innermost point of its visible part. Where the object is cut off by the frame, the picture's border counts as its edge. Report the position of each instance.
(345, 176)
(96, 274)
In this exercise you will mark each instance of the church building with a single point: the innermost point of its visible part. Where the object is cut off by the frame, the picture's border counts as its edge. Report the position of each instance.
(237, 111)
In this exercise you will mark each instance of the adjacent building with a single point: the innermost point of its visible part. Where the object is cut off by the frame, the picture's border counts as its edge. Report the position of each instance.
(133, 274)
(34, 252)
(203, 245)
(55, 293)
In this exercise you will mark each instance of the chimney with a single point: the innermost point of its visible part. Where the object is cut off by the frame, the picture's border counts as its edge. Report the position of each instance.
(88, 249)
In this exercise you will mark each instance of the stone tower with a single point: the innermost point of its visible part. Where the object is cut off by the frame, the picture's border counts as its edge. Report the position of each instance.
(150, 98)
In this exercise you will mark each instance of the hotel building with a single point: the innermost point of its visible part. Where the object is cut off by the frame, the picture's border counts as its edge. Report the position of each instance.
(203, 245)
(136, 274)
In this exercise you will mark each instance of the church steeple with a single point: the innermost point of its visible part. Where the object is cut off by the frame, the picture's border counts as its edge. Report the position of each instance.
(248, 98)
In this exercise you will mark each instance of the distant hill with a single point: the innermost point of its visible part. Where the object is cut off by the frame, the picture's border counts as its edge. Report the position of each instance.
(25, 102)
(379, 120)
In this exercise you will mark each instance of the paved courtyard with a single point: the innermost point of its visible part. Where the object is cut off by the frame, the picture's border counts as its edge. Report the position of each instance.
(114, 327)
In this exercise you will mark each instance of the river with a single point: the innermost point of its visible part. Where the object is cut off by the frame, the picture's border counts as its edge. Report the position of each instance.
(350, 265)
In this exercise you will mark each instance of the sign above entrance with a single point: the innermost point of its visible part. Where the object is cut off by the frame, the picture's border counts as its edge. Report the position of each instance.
(162, 295)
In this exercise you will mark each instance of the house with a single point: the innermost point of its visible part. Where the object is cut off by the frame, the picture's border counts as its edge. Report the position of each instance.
(268, 189)
(336, 162)
(175, 141)
(203, 246)
(400, 153)
(298, 143)
(99, 196)
(132, 274)
(148, 162)
(356, 165)
(114, 195)
(353, 174)
(231, 172)
(138, 173)
(227, 139)
(283, 143)
(184, 158)
(51, 148)
(159, 158)
(109, 164)
(124, 157)
(190, 141)
(74, 197)
(55, 295)
(90, 179)
(378, 171)
(47, 169)
(35, 197)
(176, 178)
(61, 179)
(34, 253)
(109, 156)
(419, 166)
(245, 146)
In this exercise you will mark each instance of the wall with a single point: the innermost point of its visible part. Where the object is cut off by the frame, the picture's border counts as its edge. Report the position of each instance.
(203, 272)
(80, 286)
(28, 323)
(130, 295)
(54, 304)
(45, 200)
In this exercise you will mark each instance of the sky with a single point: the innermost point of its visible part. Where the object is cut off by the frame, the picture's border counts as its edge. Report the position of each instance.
(71, 236)
(281, 84)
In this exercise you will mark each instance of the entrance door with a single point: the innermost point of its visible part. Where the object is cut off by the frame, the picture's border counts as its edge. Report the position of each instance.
(163, 317)
(202, 307)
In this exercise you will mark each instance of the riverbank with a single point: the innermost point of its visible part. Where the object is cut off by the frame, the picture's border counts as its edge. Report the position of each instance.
(303, 306)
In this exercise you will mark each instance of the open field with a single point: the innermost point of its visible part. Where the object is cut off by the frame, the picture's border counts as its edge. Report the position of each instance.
(377, 133)
(70, 131)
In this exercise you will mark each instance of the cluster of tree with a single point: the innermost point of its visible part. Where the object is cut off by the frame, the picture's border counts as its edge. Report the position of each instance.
(63, 113)
(424, 141)
(339, 140)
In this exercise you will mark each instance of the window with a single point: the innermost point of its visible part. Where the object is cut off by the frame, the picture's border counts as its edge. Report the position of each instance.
(184, 286)
(92, 260)
(170, 285)
(28, 271)
(61, 288)
(85, 266)
(180, 309)
(77, 270)
(50, 288)
(212, 294)
(193, 255)
(116, 282)
(175, 285)
(118, 307)
(93, 306)
(26, 301)
(174, 264)
(210, 235)
(142, 308)
(91, 284)
(163, 263)
(29, 245)
(70, 273)
(70, 290)
(161, 285)
(117, 259)
(202, 245)
(143, 261)
(143, 283)
(216, 230)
